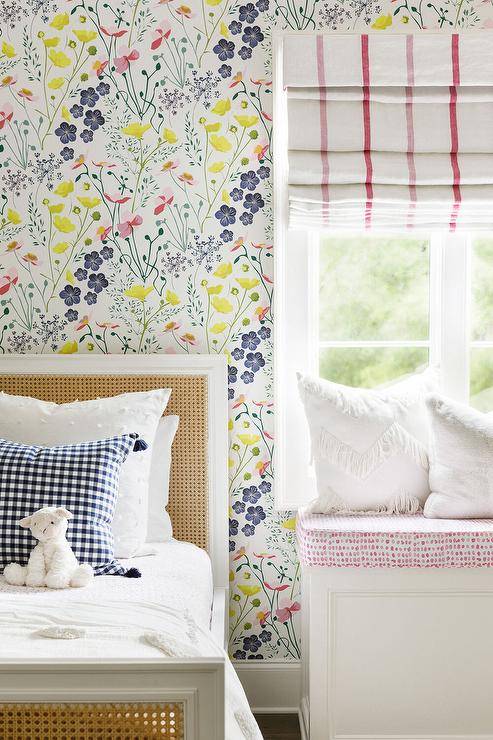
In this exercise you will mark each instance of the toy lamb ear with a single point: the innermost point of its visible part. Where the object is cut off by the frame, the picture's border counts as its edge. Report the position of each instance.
(25, 523)
(64, 513)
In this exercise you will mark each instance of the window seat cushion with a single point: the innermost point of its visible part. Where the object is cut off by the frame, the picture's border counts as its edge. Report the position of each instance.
(390, 541)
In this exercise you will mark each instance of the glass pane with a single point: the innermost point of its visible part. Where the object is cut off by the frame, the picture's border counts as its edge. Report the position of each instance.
(481, 384)
(374, 288)
(482, 289)
(370, 367)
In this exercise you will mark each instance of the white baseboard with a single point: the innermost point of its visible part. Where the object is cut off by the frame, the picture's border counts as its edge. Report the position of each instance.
(271, 687)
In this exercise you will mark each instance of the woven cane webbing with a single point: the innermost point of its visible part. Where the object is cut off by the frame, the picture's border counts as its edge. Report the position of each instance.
(128, 721)
(188, 500)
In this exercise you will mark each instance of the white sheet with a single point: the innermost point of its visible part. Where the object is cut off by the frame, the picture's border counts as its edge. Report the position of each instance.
(179, 575)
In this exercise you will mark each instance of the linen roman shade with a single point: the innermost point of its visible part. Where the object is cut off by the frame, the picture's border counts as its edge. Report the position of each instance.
(390, 131)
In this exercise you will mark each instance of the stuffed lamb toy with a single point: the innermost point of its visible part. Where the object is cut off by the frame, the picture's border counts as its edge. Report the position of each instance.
(52, 562)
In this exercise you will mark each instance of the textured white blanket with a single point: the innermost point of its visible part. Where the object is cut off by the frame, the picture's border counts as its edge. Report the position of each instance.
(116, 629)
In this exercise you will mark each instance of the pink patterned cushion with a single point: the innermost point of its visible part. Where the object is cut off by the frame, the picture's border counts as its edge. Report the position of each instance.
(389, 541)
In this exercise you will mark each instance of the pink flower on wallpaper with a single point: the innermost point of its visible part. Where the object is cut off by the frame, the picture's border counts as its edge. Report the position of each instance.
(130, 221)
(103, 231)
(122, 62)
(8, 80)
(114, 32)
(161, 32)
(280, 588)
(166, 199)
(116, 198)
(6, 114)
(6, 281)
(286, 610)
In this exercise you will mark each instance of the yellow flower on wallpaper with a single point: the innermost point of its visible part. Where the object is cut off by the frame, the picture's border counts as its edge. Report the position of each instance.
(222, 107)
(64, 188)
(69, 277)
(212, 3)
(169, 136)
(248, 439)
(136, 130)
(59, 58)
(8, 50)
(217, 167)
(212, 128)
(248, 283)
(63, 224)
(247, 121)
(382, 22)
(224, 30)
(88, 202)
(84, 35)
(220, 143)
(172, 298)
(60, 248)
(13, 216)
(222, 305)
(224, 269)
(65, 113)
(290, 523)
(56, 83)
(218, 328)
(225, 197)
(51, 41)
(140, 292)
(69, 348)
(248, 590)
(56, 207)
(60, 21)
(214, 289)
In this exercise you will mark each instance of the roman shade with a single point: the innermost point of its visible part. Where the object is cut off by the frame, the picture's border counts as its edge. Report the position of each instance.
(390, 131)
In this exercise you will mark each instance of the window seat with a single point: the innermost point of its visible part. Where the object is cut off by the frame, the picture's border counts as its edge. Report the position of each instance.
(390, 541)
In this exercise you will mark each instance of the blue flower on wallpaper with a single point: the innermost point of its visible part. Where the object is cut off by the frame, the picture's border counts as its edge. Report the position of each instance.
(106, 252)
(265, 636)
(250, 340)
(249, 180)
(236, 194)
(254, 361)
(231, 394)
(248, 13)
(238, 507)
(77, 111)
(245, 53)
(239, 655)
(262, 5)
(90, 298)
(67, 153)
(97, 282)
(226, 235)
(70, 295)
(238, 354)
(66, 132)
(232, 374)
(225, 71)
(224, 49)
(86, 136)
(265, 487)
(253, 202)
(233, 527)
(103, 88)
(248, 530)
(252, 643)
(92, 260)
(89, 97)
(255, 514)
(246, 218)
(93, 119)
(264, 332)
(80, 273)
(263, 172)
(247, 377)
(252, 35)
(226, 215)
(71, 315)
(251, 495)
(235, 27)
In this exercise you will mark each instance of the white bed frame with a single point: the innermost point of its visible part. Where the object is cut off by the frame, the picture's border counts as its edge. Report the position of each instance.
(197, 683)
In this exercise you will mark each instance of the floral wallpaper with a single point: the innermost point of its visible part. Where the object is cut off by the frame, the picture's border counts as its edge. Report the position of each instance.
(135, 216)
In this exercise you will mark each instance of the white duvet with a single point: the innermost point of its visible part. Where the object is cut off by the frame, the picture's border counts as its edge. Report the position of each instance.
(116, 629)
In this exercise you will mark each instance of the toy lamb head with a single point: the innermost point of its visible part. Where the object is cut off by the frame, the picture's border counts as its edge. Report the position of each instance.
(52, 562)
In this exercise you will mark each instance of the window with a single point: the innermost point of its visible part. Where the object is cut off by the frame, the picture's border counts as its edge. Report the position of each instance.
(367, 310)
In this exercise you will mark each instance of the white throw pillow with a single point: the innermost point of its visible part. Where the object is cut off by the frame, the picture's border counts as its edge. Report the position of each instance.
(31, 421)
(159, 527)
(461, 461)
(369, 447)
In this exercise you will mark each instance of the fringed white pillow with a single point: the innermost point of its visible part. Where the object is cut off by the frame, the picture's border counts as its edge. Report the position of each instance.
(461, 462)
(369, 447)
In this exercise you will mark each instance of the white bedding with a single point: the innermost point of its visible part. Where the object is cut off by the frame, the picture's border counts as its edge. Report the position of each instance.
(178, 575)
(121, 618)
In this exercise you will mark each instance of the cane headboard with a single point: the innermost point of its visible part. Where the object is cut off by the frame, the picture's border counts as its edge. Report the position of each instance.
(64, 379)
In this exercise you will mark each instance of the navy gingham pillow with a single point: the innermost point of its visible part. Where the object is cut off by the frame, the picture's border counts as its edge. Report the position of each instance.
(81, 477)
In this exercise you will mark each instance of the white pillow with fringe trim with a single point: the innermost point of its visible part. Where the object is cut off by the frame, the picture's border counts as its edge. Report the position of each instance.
(369, 447)
(461, 461)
